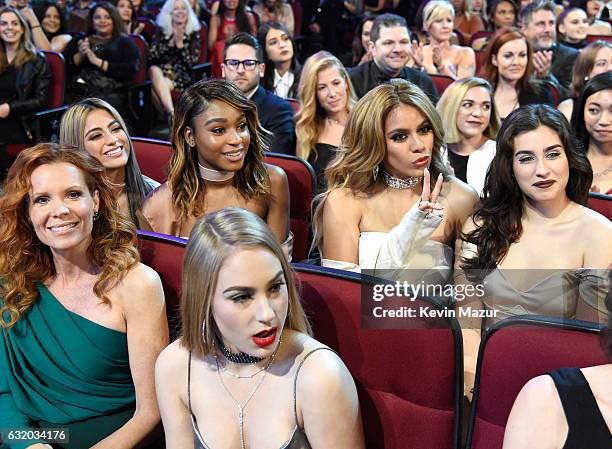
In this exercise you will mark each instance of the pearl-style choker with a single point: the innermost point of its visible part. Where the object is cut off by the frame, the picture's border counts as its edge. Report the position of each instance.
(215, 175)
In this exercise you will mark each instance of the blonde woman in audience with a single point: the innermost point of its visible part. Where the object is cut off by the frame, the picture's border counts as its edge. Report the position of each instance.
(246, 348)
(390, 201)
(97, 127)
(525, 243)
(218, 161)
(468, 111)
(82, 320)
(440, 57)
(326, 97)
(594, 59)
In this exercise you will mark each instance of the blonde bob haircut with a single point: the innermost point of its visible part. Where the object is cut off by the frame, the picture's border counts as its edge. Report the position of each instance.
(434, 10)
(451, 100)
(311, 115)
(364, 146)
(214, 238)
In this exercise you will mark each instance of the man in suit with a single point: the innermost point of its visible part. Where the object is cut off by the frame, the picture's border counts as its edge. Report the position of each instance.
(243, 66)
(390, 47)
(551, 61)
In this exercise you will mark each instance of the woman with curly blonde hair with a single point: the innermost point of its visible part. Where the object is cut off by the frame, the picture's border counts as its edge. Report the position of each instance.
(326, 97)
(382, 208)
(218, 161)
(82, 320)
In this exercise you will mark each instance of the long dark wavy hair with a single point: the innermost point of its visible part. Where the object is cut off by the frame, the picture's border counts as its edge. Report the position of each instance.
(186, 185)
(596, 84)
(268, 79)
(498, 218)
(242, 21)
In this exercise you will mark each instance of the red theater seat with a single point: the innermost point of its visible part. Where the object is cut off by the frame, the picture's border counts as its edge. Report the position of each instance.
(442, 82)
(301, 189)
(601, 203)
(164, 254)
(153, 157)
(410, 381)
(516, 350)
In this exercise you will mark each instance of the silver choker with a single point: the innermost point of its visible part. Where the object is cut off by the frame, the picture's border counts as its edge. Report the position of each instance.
(398, 183)
(215, 175)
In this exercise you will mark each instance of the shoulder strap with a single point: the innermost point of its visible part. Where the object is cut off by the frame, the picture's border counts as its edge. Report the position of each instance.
(296, 378)
(189, 384)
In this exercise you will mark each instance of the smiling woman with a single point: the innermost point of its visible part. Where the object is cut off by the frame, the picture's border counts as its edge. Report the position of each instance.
(246, 348)
(73, 294)
(217, 162)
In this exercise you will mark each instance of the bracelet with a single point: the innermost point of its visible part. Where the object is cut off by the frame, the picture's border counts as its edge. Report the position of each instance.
(37, 26)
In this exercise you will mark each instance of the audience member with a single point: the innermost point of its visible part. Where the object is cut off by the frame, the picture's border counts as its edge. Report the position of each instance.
(468, 111)
(218, 161)
(231, 18)
(592, 122)
(502, 14)
(78, 12)
(243, 66)
(282, 72)
(361, 42)
(246, 329)
(142, 10)
(275, 11)
(390, 48)
(24, 82)
(440, 56)
(593, 8)
(572, 28)
(39, 38)
(104, 61)
(465, 22)
(550, 59)
(323, 26)
(174, 50)
(82, 320)
(478, 7)
(508, 67)
(52, 21)
(381, 210)
(566, 408)
(326, 97)
(95, 126)
(127, 12)
(594, 59)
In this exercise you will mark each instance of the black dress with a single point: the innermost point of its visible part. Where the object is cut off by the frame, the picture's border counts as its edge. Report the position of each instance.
(11, 130)
(587, 427)
(319, 158)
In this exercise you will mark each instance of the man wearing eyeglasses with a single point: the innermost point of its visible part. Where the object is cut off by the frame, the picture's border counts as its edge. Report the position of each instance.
(243, 66)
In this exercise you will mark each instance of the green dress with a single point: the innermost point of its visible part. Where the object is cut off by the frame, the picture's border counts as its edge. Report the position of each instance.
(58, 369)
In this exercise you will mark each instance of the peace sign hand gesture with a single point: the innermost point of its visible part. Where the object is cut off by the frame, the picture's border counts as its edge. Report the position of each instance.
(429, 201)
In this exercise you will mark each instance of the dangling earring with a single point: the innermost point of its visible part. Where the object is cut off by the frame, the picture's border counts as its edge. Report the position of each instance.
(96, 215)
(375, 173)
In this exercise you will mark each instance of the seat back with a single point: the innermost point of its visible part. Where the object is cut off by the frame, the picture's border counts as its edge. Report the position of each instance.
(410, 381)
(57, 88)
(296, 6)
(516, 350)
(153, 157)
(601, 203)
(554, 92)
(479, 35)
(480, 60)
(164, 253)
(149, 27)
(301, 190)
(203, 43)
(441, 82)
(596, 37)
(141, 75)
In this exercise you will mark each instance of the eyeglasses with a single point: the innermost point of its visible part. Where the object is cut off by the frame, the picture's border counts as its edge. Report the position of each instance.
(248, 64)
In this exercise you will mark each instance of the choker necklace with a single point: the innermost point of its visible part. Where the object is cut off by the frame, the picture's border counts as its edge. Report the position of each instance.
(398, 183)
(240, 406)
(240, 357)
(603, 172)
(215, 175)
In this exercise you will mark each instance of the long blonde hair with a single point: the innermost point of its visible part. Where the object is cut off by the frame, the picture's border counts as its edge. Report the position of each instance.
(363, 146)
(311, 114)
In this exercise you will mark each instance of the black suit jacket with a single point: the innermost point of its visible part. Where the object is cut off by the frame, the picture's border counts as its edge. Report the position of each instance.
(366, 76)
(276, 115)
(563, 63)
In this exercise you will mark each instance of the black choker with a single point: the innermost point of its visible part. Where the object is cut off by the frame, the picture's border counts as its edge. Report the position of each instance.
(240, 357)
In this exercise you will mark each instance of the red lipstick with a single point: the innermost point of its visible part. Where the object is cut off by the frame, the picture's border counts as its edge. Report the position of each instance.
(265, 338)
(422, 161)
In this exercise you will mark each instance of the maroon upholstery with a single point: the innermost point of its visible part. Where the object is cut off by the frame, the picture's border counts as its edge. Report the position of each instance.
(296, 6)
(141, 75)
(203, 43)
(153, 157)
(516, 350)
(480, 60)
(149, 29)
(295, 104)
(58, 78)
(301, 189)
(479, 35)
(596, 37)
(409, 380)
(601, 203)
(441, 82)
(554, 92)
(164, 254)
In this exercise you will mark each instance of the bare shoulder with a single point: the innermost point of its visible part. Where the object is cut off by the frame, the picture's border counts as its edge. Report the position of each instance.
(596, 221)
(156, 197)
(460, 197)
(173, 359)
(465, 52)
(277, 175)
(598, 247)
(343, 202)
(141, 288)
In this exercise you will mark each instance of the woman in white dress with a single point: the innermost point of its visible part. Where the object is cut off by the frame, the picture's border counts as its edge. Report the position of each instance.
(390, 201)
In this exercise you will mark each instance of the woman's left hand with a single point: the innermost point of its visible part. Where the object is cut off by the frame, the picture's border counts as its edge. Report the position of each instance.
(429, 201)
